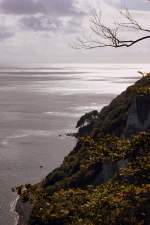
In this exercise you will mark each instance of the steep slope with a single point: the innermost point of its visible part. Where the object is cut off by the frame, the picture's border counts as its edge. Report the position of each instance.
(107, 171)
(116, 118)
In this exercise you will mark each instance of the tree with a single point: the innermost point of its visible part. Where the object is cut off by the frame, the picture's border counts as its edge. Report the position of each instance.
(87, 118)
(106, 36)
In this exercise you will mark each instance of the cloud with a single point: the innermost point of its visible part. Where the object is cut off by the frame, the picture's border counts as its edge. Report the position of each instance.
(60, 7)
(44, 15)
(74, 26)
(45, 23)
(5, 33)
(52, 24)
(40, 23)
(140, 5)
(19, 7)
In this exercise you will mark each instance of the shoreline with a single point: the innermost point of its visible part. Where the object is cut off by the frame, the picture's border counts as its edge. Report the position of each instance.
(13, 212)
(21, 212)
(137, 98)
(29, 115)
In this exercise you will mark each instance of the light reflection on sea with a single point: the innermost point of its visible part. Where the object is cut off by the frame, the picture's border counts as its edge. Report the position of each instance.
(38, 105)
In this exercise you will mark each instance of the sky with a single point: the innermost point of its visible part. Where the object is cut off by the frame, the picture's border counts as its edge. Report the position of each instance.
(42, 31)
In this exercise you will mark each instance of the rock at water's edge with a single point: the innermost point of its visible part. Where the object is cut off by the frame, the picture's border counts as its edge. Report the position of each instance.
(24, 211)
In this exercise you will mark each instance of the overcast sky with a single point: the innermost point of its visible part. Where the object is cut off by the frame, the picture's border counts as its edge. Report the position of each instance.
(40, 31)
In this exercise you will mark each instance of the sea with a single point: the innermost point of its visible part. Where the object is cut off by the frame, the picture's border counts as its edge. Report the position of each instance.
(39, 105)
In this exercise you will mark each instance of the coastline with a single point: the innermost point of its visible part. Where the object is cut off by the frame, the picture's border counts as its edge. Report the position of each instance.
(22, 211)
(30, 116)
(120, 151)
(13, 212)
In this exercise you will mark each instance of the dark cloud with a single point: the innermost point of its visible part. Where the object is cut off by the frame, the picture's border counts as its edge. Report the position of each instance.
(5, 35)
(41, 15)
(61, 7)
(46, 23)
(19, 6)
(40, 23)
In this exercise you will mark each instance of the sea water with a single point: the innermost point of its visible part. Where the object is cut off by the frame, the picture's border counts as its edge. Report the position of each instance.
(39, 104)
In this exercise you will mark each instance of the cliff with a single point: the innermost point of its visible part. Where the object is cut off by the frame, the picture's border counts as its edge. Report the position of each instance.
(138, 115)
(105, 179)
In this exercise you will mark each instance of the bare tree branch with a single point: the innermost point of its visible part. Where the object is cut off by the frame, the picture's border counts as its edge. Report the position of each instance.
(131, 22)
(105, 36)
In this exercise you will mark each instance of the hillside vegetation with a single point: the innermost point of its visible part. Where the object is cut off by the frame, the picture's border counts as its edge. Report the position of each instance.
(106, 178)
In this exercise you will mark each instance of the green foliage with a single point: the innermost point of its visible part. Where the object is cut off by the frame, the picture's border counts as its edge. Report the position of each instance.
(112, 118)
(87, 118)
(70, 196)
(126, 196)
(143, 91)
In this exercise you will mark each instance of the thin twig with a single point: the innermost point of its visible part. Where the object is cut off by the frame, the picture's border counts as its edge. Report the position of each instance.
(110, 36)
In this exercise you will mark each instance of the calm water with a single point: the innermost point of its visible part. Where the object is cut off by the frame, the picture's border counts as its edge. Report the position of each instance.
(40, 102)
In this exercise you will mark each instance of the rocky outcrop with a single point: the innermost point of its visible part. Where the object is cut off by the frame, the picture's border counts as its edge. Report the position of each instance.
(108, 170)
(127, 114)
(138, 115)
(24, 211)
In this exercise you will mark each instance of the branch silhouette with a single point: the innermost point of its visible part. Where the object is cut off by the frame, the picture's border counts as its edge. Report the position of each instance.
(106, 36)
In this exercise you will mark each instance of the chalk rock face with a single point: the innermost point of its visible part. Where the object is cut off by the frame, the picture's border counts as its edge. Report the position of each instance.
(138, 115)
